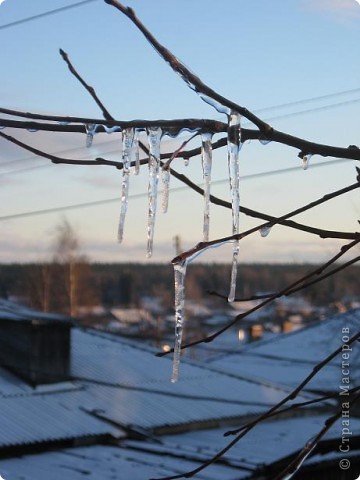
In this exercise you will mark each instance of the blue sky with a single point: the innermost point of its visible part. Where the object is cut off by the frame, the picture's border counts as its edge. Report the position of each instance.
(260, 53)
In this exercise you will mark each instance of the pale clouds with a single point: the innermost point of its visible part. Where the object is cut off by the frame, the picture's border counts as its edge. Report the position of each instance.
(343, 7)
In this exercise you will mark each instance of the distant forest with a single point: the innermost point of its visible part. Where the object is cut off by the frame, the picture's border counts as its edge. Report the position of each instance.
(125, 284)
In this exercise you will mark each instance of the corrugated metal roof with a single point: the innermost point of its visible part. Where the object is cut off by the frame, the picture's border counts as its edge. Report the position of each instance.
(287, 359)
(43, 418)
(106, 463)
(142, 394)
(176, 454)
(13, 311)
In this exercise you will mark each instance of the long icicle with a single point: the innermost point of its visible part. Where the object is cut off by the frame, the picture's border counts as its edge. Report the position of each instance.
(127, 145)
(179, 276)
(154, 138)
(234, 136)
(206, 159)
(135, 153)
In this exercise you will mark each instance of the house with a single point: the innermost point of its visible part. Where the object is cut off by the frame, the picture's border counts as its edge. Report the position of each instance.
(109, 411)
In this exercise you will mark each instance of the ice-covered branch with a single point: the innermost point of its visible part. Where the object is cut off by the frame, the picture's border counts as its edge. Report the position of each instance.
(172, 127)
(285, 291)
(197, 249)
(222, 104)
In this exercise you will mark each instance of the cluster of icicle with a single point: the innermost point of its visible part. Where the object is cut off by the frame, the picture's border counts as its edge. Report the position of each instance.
(234, 144)
(130, 158)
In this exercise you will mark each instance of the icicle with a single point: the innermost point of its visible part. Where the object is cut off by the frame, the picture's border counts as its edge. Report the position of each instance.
(90, 129)
(179, 280)
(154, 138)
(206, 158)
(165, 178)
(179, 275)
(306, 160)
(135, 153)
(127, 144)
(265, 230)
(264, 141)
(186, 162)
(234, 134)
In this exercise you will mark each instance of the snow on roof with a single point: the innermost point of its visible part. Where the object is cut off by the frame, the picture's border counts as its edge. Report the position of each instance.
(268, 443)
(105, 463)
(124, 382)
(50, 417)
(132, 386)
(13, 311)
(288, 358)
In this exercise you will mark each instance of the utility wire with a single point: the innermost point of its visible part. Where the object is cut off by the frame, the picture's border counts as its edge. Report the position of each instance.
(45, 14)
(144, 194)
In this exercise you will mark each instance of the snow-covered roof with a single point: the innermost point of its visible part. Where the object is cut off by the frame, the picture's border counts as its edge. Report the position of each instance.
(288, 358)
(120, 382)
(270, 442)
(105, 463)
(132, 386)
(13, 311)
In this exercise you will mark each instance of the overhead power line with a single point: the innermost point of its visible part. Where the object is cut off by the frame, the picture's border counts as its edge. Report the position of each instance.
(45, 14)
(141, 195)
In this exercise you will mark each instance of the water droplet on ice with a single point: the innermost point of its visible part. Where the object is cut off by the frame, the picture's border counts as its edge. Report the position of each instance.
(265, 230)
(306, 160)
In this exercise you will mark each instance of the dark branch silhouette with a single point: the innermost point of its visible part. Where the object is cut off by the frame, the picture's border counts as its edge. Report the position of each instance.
(195, 127)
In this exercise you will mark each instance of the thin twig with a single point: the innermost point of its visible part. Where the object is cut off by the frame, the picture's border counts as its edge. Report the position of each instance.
(88, 87)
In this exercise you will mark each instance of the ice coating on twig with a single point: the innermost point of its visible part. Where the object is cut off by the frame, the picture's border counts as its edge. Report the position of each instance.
(165, 180)
(179, 277)
(234, 135)
(127, 145)
(90, 129)
(154, 138)
(309, 447)
(206, 158)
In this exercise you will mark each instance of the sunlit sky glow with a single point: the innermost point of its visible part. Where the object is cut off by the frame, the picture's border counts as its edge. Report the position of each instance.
(260, 53)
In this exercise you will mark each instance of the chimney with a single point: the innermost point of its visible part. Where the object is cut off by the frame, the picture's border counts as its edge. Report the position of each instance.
(35, 347)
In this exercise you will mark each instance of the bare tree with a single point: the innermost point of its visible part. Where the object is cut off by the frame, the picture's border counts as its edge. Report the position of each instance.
(161, 164)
